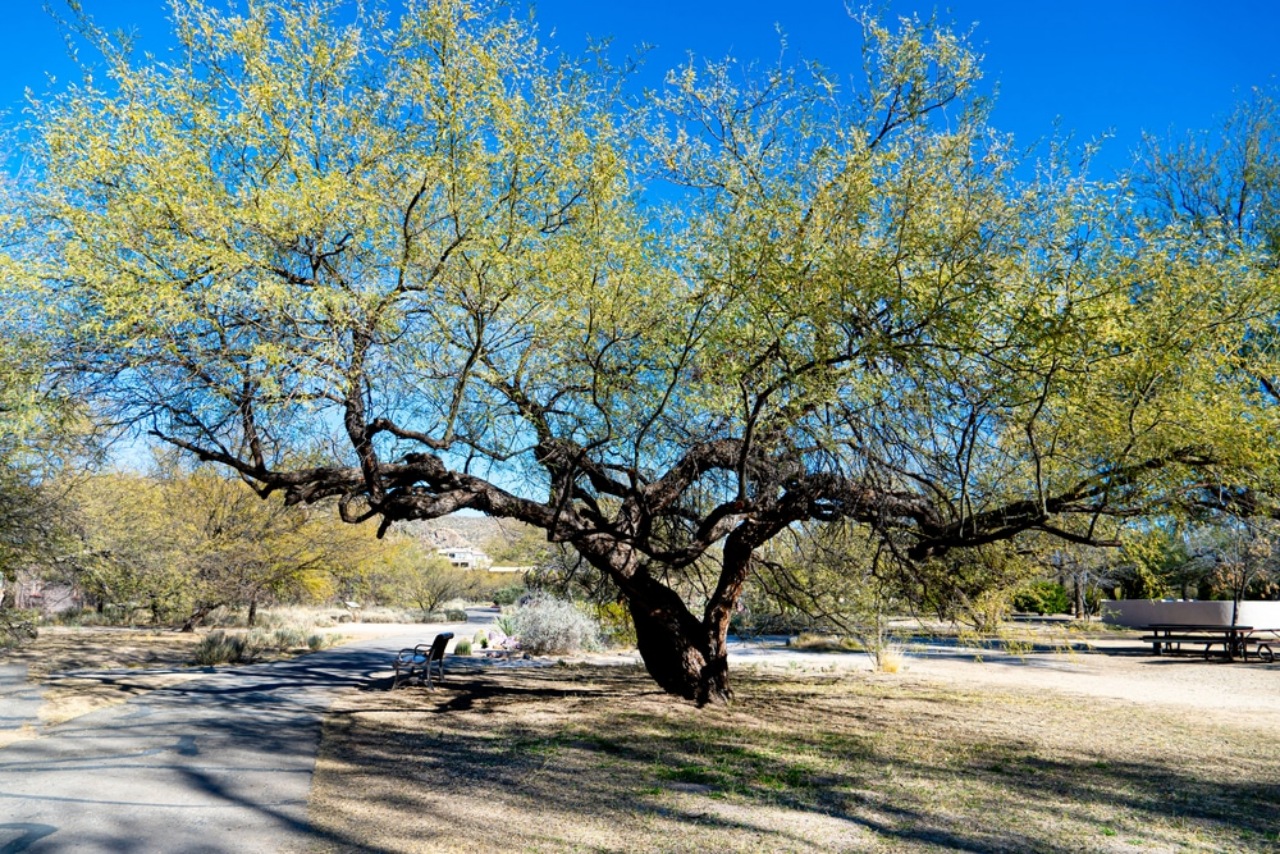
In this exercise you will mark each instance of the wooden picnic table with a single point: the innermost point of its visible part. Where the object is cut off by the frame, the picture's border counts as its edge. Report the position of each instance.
(1235, 641)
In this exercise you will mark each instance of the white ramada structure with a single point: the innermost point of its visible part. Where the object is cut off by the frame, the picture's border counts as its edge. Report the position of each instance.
(1136, 613)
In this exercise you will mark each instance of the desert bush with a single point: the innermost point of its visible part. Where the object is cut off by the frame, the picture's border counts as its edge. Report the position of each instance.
(549, 625)
(224, 647)
(449, 615)
(615, 624)
(217, 647)
(463, 647)
(81, 618)
(825, 642)
(1041, 597)
(317, 641)
(289, 637)
(393, 615)
(17, 627)
(504, 596)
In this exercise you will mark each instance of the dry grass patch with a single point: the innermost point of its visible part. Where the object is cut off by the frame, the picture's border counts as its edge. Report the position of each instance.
(594, 759)
(59, 649)
(54, 658)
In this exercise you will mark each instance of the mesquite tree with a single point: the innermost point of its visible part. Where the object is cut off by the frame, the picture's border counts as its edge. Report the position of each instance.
(417, 264)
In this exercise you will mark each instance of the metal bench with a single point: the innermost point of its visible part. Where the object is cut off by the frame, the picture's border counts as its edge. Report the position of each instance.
(423, 660)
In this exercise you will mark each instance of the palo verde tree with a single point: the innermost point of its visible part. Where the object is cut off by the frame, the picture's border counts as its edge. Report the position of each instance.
(416, 251)
(43, 432)
(181, 543)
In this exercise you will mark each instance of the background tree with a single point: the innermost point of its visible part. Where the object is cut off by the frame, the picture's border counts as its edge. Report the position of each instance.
(1234, 558)
(1223, 184)
(838, 576)
(181, 543)
(131, 558)
(435, 581)
(421, 244)
(243, 551)
(43, 430)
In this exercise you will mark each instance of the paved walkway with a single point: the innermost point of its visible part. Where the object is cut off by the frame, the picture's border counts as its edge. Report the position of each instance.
(221, 763)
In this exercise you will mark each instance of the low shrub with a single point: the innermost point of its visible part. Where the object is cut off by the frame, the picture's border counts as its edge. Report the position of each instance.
(616, 625)
(1042, 597)
(317, 641)
(391, 615)
(17, 627)
(289, 637)
(547, 625)
(504, 596)
(463, 647)
(822, 642)
(81, 618)
(217, 647)
(237, 647)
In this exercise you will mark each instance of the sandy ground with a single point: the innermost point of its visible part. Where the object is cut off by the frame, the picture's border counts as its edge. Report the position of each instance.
(1124, 673)
(1115, 670)
(1122, 670)
(1108, 750)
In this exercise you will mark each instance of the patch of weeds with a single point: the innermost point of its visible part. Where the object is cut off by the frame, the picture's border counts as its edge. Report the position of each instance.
(696, 774)
(232, 647)
(537, 746)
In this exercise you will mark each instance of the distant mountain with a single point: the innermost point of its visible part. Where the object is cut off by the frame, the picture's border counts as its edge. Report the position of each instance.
(452, 532)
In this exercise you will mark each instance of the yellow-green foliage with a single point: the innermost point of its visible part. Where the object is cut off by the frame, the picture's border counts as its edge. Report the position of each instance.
(171, 541)
(419, 232)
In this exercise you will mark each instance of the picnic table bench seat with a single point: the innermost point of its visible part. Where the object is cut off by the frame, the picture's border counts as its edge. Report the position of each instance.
(423, 660)
(1227, 641)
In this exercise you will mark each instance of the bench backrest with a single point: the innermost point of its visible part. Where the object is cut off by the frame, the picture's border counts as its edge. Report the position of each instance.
(438, 645)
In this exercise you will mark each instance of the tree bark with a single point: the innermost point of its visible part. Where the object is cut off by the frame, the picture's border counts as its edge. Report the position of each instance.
(197, 617)
(678, 650)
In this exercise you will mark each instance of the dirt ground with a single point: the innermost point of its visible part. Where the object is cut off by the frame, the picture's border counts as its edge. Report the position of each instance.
(84, 669)
(1061, 752)
(1113, 750)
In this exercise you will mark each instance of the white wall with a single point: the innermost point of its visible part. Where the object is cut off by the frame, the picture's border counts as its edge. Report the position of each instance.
(1143, 612)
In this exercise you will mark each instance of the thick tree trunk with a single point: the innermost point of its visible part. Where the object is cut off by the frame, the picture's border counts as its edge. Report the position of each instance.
(678, 650)
(253, 612)
(197, 617)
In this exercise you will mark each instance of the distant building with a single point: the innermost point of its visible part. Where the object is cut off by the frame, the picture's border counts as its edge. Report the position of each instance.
(465, 557)
(47, 597)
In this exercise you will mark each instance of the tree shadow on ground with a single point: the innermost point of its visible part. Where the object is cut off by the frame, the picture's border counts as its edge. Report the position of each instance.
(572, 755)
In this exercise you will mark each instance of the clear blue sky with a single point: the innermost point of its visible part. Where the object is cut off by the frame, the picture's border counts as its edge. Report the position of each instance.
(1099, 66)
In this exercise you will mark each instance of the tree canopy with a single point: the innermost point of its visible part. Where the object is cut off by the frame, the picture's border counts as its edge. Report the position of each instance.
(447, 269)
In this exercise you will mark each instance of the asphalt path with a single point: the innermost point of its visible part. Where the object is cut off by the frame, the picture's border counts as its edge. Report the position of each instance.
(220, 763)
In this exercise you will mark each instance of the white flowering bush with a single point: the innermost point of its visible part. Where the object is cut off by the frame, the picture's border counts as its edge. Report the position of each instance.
(546, 625)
